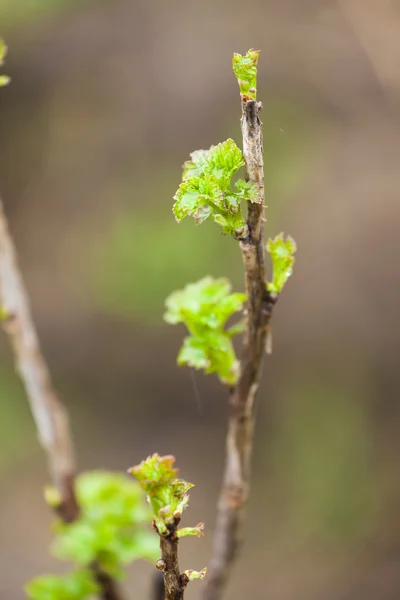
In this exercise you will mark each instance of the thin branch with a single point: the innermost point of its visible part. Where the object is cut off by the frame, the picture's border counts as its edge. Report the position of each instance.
(174, 582)
(260, 302)
(50, 415)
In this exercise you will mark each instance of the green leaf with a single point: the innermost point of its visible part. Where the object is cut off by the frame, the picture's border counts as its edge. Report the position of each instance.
(77, 585)
(195, 197)
(245, 70)
(197, 531)
(206, 189)
(223, 161)
(205, 307)
(166, 493)
(196, 166)
(282, 255)
(247, 190)
(193, 353)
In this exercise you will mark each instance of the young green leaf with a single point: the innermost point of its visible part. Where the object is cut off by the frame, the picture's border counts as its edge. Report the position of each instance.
(206, 188)
(197, 531)
(192, 575)
(282, 255)
(204, 308)
(245, 70)
(166, 493)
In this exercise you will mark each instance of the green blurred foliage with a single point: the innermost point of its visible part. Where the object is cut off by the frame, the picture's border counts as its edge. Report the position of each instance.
(323, 455)
(18, 12)
(112, 531)
(111, 528)
(77, 585)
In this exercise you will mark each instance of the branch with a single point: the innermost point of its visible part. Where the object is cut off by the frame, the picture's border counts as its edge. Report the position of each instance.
(50, 415)
(174, 582)
(260, 302)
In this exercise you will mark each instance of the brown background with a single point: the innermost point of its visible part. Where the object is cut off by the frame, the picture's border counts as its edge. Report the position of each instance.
(107, 100)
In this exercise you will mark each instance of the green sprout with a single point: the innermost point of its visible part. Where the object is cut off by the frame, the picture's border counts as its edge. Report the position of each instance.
(206, 188)
(204, 308)
(192, 575)
(245, 70)
(166, 493)
(282, 255)
(110, 532)
(4, 79)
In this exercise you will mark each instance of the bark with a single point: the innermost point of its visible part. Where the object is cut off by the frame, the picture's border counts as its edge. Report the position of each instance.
(260, 302)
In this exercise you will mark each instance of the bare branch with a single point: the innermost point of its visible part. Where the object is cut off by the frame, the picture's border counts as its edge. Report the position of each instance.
(260, 302)
(174, 582)
(50, 415)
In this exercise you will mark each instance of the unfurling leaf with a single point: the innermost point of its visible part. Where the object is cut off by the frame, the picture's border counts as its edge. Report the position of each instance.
(166, 493)
(282, 256)
(192, 575)
(245, 69)
(197, 531)
(206, 188)
(204, 308)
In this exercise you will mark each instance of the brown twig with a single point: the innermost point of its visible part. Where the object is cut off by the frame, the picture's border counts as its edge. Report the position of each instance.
(174, 582)
(50, 415)
(260, 302)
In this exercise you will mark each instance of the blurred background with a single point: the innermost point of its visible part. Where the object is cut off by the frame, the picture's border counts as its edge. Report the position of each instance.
(108, 97)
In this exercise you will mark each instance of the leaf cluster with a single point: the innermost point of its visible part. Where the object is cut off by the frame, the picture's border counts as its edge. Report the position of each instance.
(206, 188)
(245, 70)
(282, 256)
(166, 493)
(110, 532)
(204, 308)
